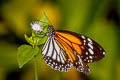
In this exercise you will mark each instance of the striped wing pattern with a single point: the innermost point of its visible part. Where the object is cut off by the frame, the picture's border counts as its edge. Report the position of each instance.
(54, 56)
(66, 49)
(78, 62)
(89, 50)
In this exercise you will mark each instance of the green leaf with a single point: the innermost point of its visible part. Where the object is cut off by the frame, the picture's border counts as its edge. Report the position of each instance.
(27, 38)
(45, 30)
(30, 39)
(26, 53)
(33, 34)
(43, 40)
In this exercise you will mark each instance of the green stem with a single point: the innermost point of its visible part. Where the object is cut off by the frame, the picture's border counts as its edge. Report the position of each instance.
(36, 73)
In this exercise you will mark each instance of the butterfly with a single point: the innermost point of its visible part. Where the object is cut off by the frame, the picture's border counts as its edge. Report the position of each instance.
(64, 49)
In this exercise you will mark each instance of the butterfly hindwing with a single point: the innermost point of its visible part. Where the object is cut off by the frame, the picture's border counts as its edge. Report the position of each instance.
(54, 56)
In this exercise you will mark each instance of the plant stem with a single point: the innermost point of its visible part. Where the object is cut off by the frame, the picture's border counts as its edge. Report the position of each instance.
(36, 73)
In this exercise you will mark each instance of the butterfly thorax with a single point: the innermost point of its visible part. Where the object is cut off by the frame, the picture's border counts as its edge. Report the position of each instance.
(51, 31)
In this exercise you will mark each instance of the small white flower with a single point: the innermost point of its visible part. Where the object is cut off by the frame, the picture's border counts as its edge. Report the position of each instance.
(36, 26)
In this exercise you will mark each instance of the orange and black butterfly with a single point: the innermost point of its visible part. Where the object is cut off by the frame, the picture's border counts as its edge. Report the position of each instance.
(64, 49)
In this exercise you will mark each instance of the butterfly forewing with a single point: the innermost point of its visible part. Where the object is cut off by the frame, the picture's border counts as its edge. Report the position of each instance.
(87, 48)
(84, 49)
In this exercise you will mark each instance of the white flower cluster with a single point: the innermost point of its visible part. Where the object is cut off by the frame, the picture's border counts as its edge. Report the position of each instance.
(36, 26)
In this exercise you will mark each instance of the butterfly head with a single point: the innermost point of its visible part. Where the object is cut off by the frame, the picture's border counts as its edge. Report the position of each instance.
(51, 31)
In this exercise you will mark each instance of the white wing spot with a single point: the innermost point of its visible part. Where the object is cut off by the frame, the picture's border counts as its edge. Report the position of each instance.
(86, 53)
(91, 52)
(86, 57)
(90, 57)
(84, 40)
(90, 60)
(103, 53)
(89, 40)
(84, 43)
(90, 45)
(83, 37)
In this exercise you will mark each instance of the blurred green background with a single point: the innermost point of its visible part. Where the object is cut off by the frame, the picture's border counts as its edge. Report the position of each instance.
(97, 19)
